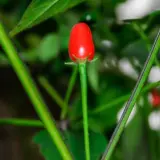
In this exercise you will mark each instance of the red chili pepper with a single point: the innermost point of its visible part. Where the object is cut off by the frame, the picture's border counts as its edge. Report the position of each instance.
(81, 46)
(155, 98)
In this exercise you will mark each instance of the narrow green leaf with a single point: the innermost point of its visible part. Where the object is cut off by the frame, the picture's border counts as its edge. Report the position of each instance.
(40, 10)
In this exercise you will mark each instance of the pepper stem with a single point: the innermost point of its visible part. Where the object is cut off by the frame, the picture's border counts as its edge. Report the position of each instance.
(83, 81)
(34, 94)
(132, 100)
(72, 82)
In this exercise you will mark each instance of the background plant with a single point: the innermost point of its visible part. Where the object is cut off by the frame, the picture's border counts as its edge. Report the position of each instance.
(41, 39)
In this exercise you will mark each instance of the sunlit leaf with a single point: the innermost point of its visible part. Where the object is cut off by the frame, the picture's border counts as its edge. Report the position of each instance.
(39, 11)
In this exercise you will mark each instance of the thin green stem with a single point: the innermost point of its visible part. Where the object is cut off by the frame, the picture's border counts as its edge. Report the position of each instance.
(83, 80)
(132, 100)
(144, 37)
(33, 93)
(69, 91)
(109, 105)
(51, 91)
(122, 99)
(71, 84)
(21, 122)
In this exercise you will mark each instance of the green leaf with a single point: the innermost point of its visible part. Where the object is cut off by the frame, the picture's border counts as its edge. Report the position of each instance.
(111, 90)
(39, 11)
(75, 143)
(49, 48)
(47, 148)
(93, 75)
(136, 49)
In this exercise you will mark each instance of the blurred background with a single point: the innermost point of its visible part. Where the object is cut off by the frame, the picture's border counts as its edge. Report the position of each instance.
(121, 50)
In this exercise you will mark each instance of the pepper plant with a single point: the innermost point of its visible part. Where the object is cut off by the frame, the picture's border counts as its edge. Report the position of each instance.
(94, 45)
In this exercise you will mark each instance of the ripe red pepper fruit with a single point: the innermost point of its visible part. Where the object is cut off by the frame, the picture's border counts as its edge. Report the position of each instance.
(155, 98)
(81, 46)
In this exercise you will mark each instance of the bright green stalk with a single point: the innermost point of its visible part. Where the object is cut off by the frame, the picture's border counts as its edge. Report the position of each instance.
(69, 91)
(21, 122)
(83, 80)
(132, 100)
(144, 37)
(33, 94)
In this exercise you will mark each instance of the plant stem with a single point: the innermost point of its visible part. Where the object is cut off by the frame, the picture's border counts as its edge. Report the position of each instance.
(122, 99)
(109, 105)
(21, 122)
(69, 91)
(51, 91)
(144, 37)
(33, 94)
(83, 80)
(119, 100)
(130, 104)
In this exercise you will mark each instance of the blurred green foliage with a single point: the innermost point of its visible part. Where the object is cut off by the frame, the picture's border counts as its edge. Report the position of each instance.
(41, 37)
(74, 141)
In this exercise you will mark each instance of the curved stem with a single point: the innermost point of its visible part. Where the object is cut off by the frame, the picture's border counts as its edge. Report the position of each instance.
(83, 80)
(34, 94)
(130, 104)
(69, 91)
(21, 122)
